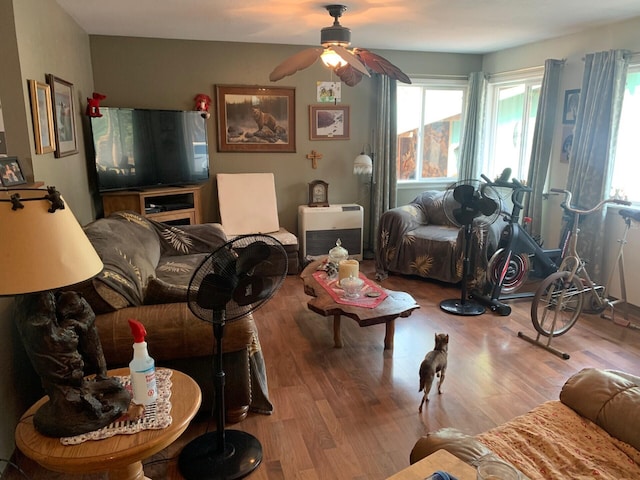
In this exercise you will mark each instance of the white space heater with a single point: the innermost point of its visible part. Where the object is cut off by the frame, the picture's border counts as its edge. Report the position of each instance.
(320, 227)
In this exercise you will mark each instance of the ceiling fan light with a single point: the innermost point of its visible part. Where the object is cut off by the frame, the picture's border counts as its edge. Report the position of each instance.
(331, 59)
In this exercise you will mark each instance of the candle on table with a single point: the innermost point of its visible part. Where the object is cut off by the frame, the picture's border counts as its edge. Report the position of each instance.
(348, 268)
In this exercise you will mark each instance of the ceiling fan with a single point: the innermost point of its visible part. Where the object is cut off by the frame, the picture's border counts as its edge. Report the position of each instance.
(348, 65)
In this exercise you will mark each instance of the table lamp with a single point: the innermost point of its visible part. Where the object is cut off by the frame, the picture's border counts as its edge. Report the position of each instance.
(44, 248)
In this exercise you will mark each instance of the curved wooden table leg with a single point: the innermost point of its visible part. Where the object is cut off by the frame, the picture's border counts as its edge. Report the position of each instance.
(337, 338)
(390, 328)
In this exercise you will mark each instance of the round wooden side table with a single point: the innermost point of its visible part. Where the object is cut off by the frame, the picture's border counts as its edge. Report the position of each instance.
(121, 455)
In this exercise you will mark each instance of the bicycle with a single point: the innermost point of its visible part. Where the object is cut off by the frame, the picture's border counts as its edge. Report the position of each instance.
(518, 255)
(560, 297)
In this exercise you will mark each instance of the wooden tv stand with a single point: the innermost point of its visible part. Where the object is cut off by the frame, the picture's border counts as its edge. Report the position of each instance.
(164, 204)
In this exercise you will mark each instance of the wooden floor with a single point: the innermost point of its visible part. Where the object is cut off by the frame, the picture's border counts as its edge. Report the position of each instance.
(352, 413)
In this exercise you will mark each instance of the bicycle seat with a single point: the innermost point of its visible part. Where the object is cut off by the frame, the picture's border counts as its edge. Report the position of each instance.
(630, 214)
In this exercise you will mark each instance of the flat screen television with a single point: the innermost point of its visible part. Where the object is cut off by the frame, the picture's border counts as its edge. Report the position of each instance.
(141, 148)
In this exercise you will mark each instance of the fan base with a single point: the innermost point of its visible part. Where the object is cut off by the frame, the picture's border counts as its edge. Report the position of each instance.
(200, 460)
(458, 307)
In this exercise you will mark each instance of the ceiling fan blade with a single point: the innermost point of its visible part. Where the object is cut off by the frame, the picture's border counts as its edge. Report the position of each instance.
(350, 58)
(380, 65)
(349, 75)
(295, 63)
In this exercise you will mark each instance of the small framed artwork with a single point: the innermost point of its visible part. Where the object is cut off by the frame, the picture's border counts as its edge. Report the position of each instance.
(42, 116)
(318, 194)
(11, 172)
(64, 125)
(570, 111)
(329, 92)
(256, 119)
(328, 122)
(567, 143)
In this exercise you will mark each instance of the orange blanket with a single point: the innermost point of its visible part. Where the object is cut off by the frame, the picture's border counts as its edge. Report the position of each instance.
(554, 442)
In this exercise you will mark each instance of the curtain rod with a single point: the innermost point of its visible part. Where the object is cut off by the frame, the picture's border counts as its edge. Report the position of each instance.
(518, 71)
(438, 76)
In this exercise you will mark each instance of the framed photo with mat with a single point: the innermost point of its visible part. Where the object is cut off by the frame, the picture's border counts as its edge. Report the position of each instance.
(11, 172)
(63, 116)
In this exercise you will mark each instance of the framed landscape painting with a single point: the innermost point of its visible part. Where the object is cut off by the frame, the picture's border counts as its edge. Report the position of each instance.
(63, 116)
(255, 119)
(42, 116)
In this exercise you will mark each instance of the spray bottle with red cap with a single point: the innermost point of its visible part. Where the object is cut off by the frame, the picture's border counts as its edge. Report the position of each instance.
(142, 367)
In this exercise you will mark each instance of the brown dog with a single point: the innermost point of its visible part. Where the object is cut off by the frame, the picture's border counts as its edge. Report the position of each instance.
(434, 363)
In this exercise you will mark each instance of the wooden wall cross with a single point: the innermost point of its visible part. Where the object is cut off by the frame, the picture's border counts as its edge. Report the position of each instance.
(314, 157)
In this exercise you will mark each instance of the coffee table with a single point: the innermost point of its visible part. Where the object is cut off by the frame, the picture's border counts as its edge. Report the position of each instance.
(121, 455)
(397, 304)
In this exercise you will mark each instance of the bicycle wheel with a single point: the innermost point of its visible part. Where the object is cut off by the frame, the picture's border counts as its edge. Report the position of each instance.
(516, 274)
(557, 304)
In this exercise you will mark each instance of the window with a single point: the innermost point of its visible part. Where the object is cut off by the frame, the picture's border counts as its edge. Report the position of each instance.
(429, 129)
(511, 113)
(626, 168)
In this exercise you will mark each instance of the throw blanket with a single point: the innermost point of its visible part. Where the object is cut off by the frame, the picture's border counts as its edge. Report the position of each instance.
(135, 250)
(554, 442)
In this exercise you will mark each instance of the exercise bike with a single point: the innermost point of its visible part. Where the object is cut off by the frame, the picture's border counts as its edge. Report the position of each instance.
(518, 256)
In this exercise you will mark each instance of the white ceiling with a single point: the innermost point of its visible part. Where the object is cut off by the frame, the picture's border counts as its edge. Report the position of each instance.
(464, 26)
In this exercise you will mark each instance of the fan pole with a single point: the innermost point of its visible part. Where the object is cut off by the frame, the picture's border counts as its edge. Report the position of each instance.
(223, 454)
(464, 305)
(218, 381)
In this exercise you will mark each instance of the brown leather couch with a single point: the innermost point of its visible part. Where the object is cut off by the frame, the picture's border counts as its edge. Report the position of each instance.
(593, 431)
(147, 270)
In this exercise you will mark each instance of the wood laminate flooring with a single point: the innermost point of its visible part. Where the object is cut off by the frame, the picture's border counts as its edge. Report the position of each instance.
(352, 413)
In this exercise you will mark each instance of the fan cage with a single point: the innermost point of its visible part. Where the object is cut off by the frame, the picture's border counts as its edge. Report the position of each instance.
(270, 271)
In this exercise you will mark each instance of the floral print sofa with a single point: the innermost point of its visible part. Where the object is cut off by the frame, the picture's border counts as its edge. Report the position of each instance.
(147, 269)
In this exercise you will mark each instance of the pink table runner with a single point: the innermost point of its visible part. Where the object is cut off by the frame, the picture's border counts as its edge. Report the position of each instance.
(337, 293)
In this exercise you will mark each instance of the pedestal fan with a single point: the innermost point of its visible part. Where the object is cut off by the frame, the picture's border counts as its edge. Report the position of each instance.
(232, 282)
(469, 204)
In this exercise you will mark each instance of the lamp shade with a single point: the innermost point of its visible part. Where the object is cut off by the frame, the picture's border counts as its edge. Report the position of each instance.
(363, 165)
(41, 250)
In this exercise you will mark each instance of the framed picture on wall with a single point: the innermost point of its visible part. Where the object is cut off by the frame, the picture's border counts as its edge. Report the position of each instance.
(256, 119)
(64, 125)
(11, 172)
(42, 116)
(328, 122)
(570, 111)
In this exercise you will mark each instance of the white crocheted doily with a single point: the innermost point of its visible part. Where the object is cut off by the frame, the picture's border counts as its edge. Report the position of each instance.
(156, 415)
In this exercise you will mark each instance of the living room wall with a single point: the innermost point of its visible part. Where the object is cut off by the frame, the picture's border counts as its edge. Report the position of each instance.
(573, 48)
(36, 37)
(160, 73)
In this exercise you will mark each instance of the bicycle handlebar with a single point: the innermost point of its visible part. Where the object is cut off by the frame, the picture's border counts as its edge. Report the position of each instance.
(566, 204)
(514, 184)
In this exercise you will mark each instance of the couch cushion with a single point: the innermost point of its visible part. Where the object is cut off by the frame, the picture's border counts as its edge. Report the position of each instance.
(608, 398)
(129, 247)
(172, 279)
(431, 203)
